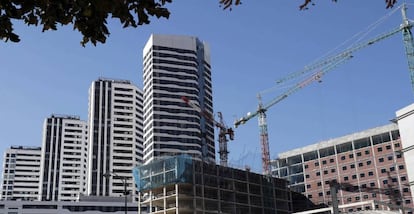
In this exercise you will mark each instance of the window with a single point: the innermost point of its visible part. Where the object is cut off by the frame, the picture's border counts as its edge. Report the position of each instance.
(343, 158)
(316, 163)
(394, 180)
(381, 160)
(357, 198)
(331, 160)
(360, 164)
(403, 178)
(392, 169)
(351, 156)
(307, 176)
(365, 196)
(379, 149)
(372, 184)
(308, 186)
(326, 182)
(397, 145)
(383, 170)
(354, 176)
(306, 166)
(318, 173)
(352, 166)
(344, 168)
(324, 162)
(401, 167)
(399, 155)
(320, 194)
(346, 178)
(367, 152)
(371, 173)
(359, 154)
(389, 158)
(319, 184)
(362, 175)
(325, 172)
(349, 199)
(333, 170)
(309, 196)
(385, 181)
(369, 162)
(388, 147)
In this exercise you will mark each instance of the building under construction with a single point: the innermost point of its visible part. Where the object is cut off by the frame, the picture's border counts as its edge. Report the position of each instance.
(182, 185)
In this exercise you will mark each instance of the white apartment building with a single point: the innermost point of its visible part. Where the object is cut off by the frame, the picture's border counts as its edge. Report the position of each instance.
(21, 171)
(176, 66)
(115, 136)
(405, 119)
(64, 156)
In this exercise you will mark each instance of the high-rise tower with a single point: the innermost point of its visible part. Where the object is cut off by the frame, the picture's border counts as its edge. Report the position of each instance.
(176, 66)
(115, 136)
(21, 171)
(63, 159)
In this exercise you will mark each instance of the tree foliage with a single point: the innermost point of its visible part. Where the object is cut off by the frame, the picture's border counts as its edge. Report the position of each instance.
(306, 3)
(89, 17)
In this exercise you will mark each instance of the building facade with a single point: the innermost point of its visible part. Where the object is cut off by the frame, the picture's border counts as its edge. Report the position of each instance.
(21, 172)
(405, 119)
(366, 165)
(101, 206)
(63, 159)
(115, 136)
(177, 66)
(182, 185)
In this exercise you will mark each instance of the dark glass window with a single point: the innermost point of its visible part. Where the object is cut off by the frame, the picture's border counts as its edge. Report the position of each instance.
(362, 143)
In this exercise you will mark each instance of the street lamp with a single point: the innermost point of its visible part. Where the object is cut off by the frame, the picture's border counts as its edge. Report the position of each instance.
(124, 181)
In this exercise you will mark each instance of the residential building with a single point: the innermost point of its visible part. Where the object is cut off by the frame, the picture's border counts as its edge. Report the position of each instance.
(173, 67)
(183, 185)
(366, 165)
(405, 119)
(63, 159)
(115, 136)
(21, 172)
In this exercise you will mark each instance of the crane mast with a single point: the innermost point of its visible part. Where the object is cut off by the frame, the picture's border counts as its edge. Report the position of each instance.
(264, 138)
(224, 131)
(324, 66)
(408, 43)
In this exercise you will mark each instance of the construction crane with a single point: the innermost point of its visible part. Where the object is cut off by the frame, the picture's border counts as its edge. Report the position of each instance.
(224, 131)
(319, 69)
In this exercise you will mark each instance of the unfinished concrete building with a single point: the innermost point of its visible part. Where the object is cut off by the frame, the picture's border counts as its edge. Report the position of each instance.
(182, 185)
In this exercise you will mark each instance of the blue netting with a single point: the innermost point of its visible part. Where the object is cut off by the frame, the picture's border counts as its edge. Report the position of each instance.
(177, 169)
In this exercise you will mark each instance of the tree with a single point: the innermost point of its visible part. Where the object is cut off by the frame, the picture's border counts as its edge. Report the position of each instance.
(304, 6)
(89, 17)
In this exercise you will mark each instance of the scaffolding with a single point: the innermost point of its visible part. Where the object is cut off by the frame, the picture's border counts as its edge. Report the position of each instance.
(182, 185)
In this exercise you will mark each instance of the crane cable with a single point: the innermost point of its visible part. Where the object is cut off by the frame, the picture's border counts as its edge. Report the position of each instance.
(360, 35)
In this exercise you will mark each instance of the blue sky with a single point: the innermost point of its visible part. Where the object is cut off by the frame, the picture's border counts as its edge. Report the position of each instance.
(251, 47)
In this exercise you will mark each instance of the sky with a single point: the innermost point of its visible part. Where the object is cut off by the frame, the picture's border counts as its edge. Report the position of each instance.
(252, 47)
